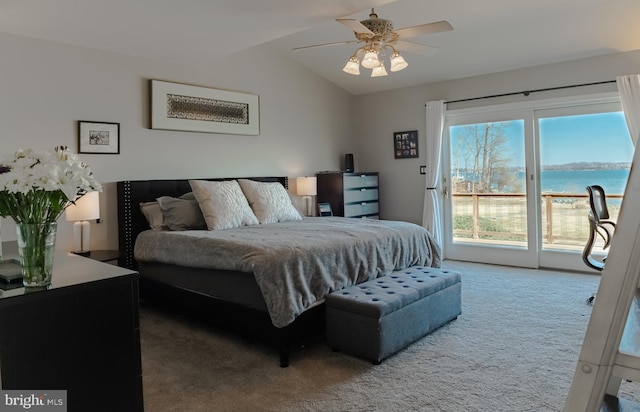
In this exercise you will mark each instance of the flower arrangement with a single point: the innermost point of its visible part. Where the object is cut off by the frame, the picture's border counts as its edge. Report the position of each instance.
(37, 186)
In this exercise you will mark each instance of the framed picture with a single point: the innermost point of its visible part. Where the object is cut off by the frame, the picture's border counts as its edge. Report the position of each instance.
(184, 107)
(324, 209)
(405, 144)
(98, 137)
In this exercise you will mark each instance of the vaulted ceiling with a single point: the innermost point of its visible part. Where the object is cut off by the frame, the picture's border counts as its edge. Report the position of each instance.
(488, 36)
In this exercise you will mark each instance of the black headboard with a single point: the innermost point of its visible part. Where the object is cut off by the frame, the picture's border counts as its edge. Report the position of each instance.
(133, 192)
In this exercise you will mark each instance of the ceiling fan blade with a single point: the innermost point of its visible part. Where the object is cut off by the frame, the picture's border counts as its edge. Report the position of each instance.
(415, 48)
(421, 29)
(355, 25)
(325, 44)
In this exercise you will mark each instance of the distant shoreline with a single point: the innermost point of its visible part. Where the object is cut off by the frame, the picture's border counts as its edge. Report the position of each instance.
(588, 166)
(573, 167)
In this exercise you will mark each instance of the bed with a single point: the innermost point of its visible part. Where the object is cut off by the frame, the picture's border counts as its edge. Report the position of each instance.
(264, 278)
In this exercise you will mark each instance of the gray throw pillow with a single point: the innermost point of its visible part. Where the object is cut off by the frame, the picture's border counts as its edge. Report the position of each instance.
(154, 215)
(182, 213)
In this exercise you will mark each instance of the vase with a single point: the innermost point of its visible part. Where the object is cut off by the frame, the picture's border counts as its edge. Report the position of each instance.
(36, 243)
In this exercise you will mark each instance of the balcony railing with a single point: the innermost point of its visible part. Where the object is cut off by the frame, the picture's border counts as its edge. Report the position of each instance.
(502, 217)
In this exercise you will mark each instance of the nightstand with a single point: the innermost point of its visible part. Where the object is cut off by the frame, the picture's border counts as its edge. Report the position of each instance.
(81, 335)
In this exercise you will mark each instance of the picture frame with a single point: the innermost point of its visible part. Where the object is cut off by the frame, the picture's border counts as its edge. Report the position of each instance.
(98, 137)
(183, 107)
(405, 144)
(324, 209)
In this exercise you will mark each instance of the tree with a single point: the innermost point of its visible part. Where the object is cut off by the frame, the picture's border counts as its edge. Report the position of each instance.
(486, 153)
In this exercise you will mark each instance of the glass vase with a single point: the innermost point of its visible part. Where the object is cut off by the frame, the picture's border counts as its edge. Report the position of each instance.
(36, 243)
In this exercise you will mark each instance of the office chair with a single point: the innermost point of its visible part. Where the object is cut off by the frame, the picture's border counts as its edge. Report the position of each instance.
(599, 225)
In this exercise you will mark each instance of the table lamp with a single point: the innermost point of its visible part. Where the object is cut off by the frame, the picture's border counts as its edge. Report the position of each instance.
(306, 187)
(86, 208)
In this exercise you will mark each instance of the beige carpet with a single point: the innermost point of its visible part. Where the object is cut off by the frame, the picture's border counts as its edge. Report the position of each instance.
(514, 348)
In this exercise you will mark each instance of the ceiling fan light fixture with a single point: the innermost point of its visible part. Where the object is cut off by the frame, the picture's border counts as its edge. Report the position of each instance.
(397, 62)
(370, 59)
(377, 37)
(379, 71)
(352, 66)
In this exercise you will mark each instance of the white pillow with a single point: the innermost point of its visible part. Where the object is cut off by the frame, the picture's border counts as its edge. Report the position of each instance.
(223, 204)
(299, 203)
(269, 200)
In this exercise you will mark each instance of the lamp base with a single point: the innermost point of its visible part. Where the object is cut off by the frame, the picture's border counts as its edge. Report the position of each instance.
(81, 237)
(84, 253)
(307, 202)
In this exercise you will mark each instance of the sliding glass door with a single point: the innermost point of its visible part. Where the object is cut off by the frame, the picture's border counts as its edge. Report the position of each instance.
(515, 180)
(489, 210)
(578, 146)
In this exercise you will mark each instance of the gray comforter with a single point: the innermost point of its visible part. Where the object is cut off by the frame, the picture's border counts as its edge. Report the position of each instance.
(296, 264)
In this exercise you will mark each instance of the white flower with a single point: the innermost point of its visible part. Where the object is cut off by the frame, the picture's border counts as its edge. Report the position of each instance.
(36, 187)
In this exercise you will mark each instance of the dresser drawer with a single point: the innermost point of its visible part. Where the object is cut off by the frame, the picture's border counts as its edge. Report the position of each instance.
(359, 209)
(360, 195)
(353, 182)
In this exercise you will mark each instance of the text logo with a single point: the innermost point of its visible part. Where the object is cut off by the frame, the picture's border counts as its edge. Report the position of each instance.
(30, 400)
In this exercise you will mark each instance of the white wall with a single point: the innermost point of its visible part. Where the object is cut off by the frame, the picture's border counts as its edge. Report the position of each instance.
(305, 121)
(401, 185)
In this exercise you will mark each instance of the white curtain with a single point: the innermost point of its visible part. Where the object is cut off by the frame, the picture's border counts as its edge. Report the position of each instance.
(431, 215)
(629, 89)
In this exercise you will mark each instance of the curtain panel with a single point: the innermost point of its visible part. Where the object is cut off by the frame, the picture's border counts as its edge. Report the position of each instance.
(431, 214)
(629, 89)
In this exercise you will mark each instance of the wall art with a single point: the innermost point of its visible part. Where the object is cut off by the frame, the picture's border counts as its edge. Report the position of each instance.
(184, 107)
(405, 144)
(98, 137)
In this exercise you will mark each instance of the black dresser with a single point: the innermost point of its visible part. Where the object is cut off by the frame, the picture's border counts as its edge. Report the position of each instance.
(350, 194)
(82, 335)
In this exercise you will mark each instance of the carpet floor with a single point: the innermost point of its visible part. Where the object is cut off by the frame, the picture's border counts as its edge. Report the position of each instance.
(514, 348)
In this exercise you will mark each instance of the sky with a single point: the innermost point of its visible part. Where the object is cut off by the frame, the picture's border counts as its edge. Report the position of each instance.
(601, 137)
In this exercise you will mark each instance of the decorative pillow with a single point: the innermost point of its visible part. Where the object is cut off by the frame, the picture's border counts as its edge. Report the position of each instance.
(269, 200)
(223, 204)
(153, 214)
(298, 202)
(181, 213)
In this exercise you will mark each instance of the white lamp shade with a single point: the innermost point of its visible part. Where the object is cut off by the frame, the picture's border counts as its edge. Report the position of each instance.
(306, 186)
(352, 66)
(370, 59)
(379, 71)
(85, 208)
(397, 62)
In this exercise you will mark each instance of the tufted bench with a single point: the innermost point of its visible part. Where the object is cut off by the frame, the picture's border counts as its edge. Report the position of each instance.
(381, 316)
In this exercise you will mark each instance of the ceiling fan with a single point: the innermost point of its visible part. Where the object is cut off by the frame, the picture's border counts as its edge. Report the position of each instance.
(379, 36)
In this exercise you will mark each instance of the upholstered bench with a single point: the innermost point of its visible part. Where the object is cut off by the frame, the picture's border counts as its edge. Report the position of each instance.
(379, 317)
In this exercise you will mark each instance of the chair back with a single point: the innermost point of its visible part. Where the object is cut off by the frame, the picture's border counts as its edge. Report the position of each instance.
(598, 203)
(599, 225)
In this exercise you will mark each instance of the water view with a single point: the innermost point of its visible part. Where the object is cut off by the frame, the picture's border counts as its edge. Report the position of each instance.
(576, 181)
(564, 181)
(489, 200)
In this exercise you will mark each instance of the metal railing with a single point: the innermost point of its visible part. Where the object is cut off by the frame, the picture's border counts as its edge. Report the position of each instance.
(503, 217)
